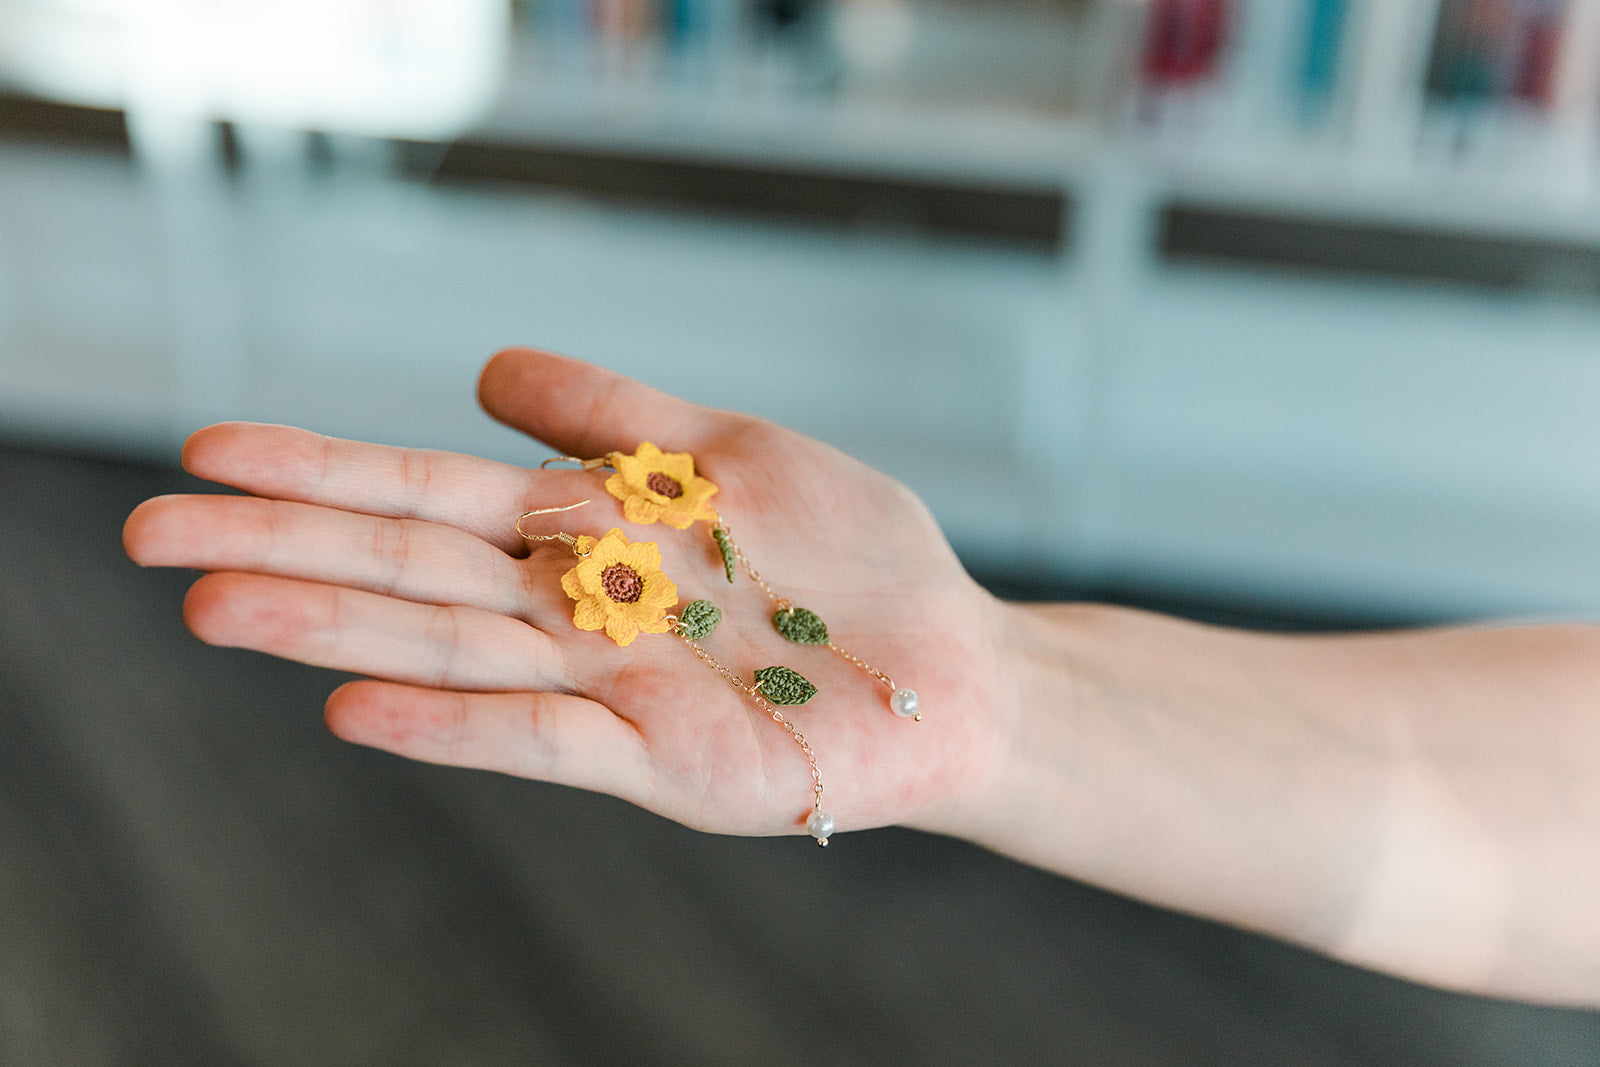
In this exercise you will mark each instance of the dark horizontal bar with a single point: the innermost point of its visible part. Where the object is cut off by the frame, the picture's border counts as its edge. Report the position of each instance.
(1200, 234)
(1031, 217)
(29, 116)
(1009, 215)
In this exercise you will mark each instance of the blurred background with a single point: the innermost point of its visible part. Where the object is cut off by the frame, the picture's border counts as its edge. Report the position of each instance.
(1282, 312)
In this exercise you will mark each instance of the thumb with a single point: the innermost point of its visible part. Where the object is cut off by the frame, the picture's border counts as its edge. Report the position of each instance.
(583, 410)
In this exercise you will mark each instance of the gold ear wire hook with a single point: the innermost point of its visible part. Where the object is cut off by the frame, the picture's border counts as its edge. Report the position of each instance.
(565, 538)
(585, 464)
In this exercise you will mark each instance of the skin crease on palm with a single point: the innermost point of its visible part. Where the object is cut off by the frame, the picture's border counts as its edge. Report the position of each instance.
(406, 567)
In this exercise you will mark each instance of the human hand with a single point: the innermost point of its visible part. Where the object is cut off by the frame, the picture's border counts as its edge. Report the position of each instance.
(406, 566)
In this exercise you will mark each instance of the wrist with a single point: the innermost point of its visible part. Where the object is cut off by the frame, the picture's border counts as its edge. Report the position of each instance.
(1019, 800)
(1163, 759)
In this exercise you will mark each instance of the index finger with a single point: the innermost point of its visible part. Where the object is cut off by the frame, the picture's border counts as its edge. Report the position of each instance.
(480, 496)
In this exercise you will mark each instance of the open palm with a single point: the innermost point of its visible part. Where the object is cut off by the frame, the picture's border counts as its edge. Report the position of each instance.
(406, 567)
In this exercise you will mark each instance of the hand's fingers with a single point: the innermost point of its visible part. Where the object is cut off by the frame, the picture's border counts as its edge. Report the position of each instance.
(476, 495)
(365, 633)
(406, 558)
(550, 736)
(584, 410)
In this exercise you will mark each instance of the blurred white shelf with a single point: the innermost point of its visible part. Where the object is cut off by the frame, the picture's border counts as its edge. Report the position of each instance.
(1361, 445)
(973, 94)
(373, 304)
(1096, 411)
(1010, 96)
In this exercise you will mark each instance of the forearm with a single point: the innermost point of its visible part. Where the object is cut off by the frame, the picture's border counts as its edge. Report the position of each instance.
(1425, 803)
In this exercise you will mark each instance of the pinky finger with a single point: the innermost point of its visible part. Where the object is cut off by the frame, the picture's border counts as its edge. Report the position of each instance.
(553, 737)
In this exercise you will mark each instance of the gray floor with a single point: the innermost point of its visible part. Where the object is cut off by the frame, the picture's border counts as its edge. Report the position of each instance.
(193, 871)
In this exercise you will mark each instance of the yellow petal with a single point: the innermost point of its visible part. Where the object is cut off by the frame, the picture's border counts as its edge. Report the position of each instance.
(659, 591)
(678, 520)
(589, 614)
(677, 465)
(697, 492)
(643, 557)
(698, 505)
(649, 619)
(621, 629)
(587, 576)
(641, 509)
(655, 626)
(617, 485)
(612, 548)
(571, 583)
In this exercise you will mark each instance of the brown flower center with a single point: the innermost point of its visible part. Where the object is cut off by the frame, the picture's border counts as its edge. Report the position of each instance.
(622, 583)
(665, 484)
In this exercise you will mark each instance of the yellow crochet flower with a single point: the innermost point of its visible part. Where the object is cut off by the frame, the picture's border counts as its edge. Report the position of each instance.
(653, 484)
(619, 587)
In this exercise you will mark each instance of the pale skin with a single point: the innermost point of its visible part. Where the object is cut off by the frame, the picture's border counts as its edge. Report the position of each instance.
(1425, 803)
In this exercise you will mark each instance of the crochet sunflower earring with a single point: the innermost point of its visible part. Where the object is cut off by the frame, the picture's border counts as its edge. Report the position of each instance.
(618, 586)
(657, 486)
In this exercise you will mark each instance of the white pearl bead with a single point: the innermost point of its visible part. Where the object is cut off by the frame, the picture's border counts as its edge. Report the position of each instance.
(904, 703)
(820, 825)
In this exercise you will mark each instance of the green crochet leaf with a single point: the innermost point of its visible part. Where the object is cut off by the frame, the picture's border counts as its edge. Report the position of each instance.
(801, 626)
(783, 686)
(725, 545)
(698, 618)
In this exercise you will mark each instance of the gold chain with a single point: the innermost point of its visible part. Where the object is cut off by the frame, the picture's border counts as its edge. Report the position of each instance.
(783, 604)
(754, 693)
(749, 568)
(851, 657)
